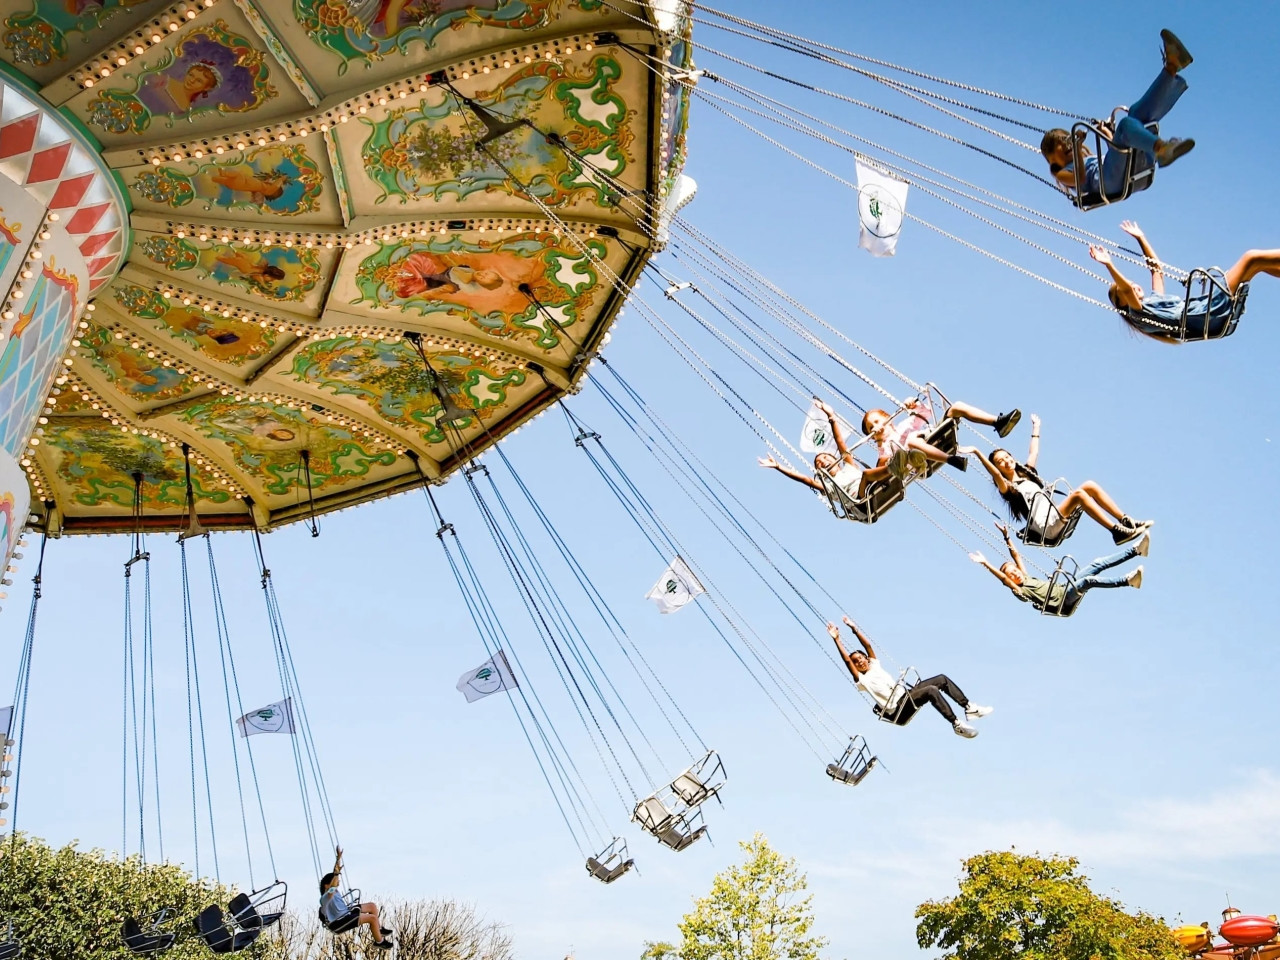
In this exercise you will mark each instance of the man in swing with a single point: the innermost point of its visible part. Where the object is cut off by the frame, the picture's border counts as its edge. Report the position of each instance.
(1130, 133)
(338, 917)
(899, 702)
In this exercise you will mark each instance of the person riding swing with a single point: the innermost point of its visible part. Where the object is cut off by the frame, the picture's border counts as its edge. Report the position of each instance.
(897, 702)
(339, 916)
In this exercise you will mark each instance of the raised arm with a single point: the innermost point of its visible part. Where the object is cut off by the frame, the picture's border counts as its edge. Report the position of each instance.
(788, 472)
(1153, 262)
(1013, 551)
(991, 568)
(996, 476)
(862, 638)
(1033, 451)
(1124, 286)
(834, 631)
(836, 433)
(337, 860)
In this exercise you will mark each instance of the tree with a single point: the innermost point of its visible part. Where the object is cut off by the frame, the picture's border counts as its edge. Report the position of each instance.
(424, 930)
(756, 911)
(1032, 908)
(71, 903)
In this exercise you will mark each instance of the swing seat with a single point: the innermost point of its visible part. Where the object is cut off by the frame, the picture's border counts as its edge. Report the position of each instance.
(219, 935)
(1062, 527)
(673, 829)
(259, 908)
(10, 949)
(678, 839)
(349, 920)
(149, 940)
(882, 495)
(898, 697)
(854, 764)
(1066, 578)
(611, 862)
(1214, 328)
(1139, 173)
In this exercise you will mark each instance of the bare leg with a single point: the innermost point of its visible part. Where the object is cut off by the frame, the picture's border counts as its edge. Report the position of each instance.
(1250, 265)
(928, 449)
(963, 411)
(1091, 488)
(1079, 500)
(369, 918)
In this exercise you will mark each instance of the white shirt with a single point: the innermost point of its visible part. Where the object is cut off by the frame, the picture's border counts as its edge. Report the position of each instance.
(876, 681)
(848, 477)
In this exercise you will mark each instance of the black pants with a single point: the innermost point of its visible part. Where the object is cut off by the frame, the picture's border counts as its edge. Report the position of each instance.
(931, 691)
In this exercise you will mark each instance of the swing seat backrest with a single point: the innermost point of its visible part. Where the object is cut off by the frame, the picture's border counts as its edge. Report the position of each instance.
(1139, 172)
(218, 936)
(146, 942)
(1066, 526)
(10, 949)
(652, 815)
(690, 789)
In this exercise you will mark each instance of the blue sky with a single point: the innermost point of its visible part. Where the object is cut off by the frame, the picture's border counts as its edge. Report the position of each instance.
(1137, 736)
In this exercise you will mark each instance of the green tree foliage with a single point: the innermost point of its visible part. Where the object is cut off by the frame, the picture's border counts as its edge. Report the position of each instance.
(1032, 908)
(68, 903)
(755, 911)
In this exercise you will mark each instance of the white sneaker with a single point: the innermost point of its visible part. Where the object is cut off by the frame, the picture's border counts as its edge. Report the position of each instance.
(975, 712)
(964, 730)
(1135, 579)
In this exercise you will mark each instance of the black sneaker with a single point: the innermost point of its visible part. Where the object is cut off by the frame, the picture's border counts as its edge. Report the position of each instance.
(1006, 422)
(959, 462)
(1123, 534)
(386, 931)
(384, 944)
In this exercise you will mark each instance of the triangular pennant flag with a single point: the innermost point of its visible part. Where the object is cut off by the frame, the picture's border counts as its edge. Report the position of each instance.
(676, 587)
(492, 676)
(882, 206)
(273, 718)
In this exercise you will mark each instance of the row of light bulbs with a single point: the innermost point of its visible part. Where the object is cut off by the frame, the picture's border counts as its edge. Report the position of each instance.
(353, 108)
(28, 269)
(348, 241)
(161, 28)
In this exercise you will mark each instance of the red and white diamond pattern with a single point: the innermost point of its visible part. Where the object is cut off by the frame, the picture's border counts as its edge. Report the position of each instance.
(39, 152)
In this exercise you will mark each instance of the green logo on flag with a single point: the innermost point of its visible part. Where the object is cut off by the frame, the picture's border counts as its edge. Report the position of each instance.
(672, 586)
(874, 207)
(266, 713)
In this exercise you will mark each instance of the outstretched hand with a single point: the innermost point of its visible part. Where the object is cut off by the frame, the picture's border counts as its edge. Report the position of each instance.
(1003, 528)
(967, 451)
(1132, 229)
(824, 407)
(1100, 254)
(834, 631)
(849, 623)
(977, 558)
(1035, 422)
(767, 462)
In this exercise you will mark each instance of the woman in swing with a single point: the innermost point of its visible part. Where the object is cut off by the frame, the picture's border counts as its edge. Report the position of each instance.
(1062, 597)
(1159, 315)
(1019, 485)
(843, 469)
(339, 916)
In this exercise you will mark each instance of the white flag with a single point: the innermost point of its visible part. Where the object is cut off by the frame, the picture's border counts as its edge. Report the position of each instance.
(6, 718)
(882, 205)
(273, 718)
(490, 677)
(676, 587)
(817, 437)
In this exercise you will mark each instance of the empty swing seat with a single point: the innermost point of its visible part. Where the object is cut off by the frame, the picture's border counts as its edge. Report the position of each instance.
(673, 813)
(854, 764)
(221, 936)
(149, 940)
(610, 863)
(259, 908)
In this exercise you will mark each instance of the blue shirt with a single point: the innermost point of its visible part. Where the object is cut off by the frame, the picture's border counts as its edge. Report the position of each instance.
(332, 905)
(1211, 312)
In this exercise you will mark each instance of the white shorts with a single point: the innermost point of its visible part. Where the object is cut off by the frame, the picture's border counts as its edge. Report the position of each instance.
(1044, 520)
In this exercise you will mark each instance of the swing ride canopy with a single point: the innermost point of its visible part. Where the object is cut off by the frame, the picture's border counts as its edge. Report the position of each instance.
(298, 194)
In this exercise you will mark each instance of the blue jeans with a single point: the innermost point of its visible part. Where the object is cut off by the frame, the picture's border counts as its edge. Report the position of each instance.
(1131, 132)
(1088, 577)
